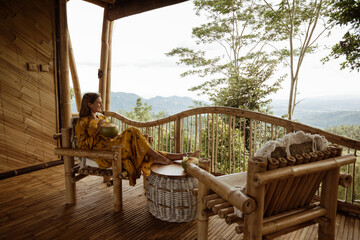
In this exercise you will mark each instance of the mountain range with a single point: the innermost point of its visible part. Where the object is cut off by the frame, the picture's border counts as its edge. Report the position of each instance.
(319, 112)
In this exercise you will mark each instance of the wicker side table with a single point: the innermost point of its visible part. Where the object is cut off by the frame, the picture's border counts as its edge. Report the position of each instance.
(169, 193)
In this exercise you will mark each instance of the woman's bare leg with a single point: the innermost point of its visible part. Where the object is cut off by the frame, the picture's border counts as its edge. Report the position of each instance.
(179, 156)
(157, 157)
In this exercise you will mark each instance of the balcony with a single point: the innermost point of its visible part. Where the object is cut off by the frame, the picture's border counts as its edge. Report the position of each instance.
(33, 207)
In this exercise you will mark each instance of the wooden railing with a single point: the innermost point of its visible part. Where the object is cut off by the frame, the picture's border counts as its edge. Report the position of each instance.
(230, 136)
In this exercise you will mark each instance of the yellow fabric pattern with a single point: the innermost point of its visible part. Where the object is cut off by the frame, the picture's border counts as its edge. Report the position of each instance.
(133, 151)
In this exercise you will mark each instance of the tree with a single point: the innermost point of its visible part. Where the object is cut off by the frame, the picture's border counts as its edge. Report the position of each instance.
(237, 76)
(347, 13)
(295, 26)
(141, 112)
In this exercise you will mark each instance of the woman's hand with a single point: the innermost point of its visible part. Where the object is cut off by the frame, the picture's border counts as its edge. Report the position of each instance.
(99, 124)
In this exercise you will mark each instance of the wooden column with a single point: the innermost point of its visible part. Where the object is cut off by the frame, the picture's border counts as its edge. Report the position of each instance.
(102, 74)
(117, 182)
(203, 190)
(329, 192)
(65, 101)
(254, 221)
(108, 70)
(177, 136)
(74, 76)
(70, 186)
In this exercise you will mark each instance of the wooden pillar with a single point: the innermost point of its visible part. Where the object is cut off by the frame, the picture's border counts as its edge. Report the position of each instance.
(117, 182)
(74, 76)
(329, 192)
(70, 187)
(108, 70)
(65, 101)
(102, 74)
(254, 221)
(177, 136)
(203, 190)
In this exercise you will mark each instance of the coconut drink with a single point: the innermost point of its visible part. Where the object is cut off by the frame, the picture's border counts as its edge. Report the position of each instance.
(109, 130)
(188, 160)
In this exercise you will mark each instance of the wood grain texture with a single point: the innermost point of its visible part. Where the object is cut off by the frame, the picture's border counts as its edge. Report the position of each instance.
(28, 106)
(32, 207)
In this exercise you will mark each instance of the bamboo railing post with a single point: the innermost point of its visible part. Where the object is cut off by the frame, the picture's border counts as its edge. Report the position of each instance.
(117, 187)
(70, 187)
(177, 136)
(254, 221)
(102, 74)
(108, 71)
(203, 190)
(74, 76)
(329, 192)
(65, 101)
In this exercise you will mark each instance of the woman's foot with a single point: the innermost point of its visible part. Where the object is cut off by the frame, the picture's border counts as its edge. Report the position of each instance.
(194, 154)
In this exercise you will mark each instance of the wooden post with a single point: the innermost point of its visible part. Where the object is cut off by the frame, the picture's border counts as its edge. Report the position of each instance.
(74, 76)
(254, 221)
(70, 186)
(102, 74)
(117, 182)
(203, 190)
(329, 192)
(108, 70)
(65, 101)
(177, 136)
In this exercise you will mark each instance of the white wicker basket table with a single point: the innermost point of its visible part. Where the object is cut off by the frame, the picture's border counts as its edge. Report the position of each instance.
(169, 193)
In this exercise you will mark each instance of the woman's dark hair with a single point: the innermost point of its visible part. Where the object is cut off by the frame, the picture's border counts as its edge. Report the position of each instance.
(87, 98)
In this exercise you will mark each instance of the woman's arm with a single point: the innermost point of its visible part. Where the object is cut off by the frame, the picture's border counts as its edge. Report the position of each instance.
(83, 138)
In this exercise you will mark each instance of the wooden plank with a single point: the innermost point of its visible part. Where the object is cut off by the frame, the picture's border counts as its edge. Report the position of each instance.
(30, 202)
(340, 231)
(356, 229)
(128, 8)
(346, 228)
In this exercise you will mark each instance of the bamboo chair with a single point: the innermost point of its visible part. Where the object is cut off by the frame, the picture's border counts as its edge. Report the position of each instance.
(86, 166)
(279, 194)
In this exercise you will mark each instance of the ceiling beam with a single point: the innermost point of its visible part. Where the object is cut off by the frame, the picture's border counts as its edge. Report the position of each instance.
(128, 8)
(96, 2)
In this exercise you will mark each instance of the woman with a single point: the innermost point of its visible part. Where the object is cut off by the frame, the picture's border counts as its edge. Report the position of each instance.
(136, 153)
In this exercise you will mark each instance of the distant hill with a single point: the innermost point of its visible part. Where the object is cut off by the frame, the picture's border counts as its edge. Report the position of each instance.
(323, 112)
(127, 101)
(318, 104)
(319, 112)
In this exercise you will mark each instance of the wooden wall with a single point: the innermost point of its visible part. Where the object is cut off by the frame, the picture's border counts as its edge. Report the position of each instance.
(28, 102)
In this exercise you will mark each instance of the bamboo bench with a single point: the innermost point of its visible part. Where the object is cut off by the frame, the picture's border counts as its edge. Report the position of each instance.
(279, 194)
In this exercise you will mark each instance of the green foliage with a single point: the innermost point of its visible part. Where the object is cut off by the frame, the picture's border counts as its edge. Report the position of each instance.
(252, 88)
(72, 95)
(218, 128)
(347, 13)
(243, 67)
(141, 112)
(351, 131)
(295, 26)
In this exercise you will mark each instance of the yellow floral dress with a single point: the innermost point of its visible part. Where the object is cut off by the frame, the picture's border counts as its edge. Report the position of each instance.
(133, 152)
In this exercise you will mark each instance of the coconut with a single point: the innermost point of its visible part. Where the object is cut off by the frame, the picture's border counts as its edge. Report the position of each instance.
(188, 160)
(109, 130)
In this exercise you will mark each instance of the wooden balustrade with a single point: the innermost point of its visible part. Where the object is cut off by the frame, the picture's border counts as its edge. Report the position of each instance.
(229, 137)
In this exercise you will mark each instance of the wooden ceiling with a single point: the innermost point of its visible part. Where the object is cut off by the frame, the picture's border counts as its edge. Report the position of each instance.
(124, 8)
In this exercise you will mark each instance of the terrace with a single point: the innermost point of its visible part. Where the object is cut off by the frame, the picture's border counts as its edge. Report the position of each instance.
(35, 104)
(32, 207)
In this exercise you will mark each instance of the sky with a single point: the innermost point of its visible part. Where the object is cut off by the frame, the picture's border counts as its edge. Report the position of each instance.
(139, 64)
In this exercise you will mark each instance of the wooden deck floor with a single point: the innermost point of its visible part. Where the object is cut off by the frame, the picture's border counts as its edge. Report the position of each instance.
(33, 207)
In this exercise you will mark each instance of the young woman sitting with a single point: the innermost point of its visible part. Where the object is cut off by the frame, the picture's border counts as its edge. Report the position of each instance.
(136, 153)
